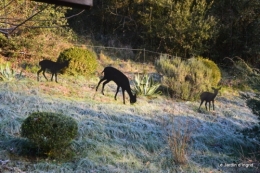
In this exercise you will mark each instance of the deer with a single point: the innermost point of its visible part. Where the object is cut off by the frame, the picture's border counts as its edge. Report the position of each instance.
(208, 97)
(54, 68)
(113, 74)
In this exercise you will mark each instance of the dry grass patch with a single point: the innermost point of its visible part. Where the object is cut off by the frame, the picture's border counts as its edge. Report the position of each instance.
(178, 141)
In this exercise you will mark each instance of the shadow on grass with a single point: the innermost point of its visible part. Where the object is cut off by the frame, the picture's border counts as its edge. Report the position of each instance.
(24, 149)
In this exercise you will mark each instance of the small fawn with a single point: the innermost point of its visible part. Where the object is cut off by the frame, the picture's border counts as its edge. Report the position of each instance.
(209, 97)
(54, 68)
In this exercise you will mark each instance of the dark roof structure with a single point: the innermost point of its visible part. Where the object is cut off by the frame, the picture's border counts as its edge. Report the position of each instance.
(81, 4)
(70, 3)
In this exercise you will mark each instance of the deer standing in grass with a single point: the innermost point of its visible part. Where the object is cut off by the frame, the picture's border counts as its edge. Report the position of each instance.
(209, 97)
(112, 74)
(54, 68)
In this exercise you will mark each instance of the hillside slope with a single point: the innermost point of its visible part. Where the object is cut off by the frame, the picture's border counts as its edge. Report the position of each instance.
(113, 137)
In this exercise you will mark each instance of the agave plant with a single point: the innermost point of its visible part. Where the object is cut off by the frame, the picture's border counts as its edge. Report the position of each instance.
(6, 73)
(145, 85)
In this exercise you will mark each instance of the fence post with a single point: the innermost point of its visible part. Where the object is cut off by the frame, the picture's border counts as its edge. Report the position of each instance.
(144, 59)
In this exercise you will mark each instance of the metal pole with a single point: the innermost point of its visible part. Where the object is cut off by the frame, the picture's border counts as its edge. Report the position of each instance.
(144, 59)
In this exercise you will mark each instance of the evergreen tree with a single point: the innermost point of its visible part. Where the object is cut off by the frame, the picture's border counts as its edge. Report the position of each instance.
(239, 33)
(170, 26)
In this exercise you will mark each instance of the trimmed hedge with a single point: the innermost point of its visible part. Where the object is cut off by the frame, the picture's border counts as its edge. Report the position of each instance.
(82, 61)
(50, 132)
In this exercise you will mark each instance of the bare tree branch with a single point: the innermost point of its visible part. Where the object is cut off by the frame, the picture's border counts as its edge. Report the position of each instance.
(29, 18)
(75, 14)
(7, 32)
(7, 5)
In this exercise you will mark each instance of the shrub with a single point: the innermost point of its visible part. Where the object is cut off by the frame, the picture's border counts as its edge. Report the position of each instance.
(244, 76)
(254, 104)
(187, 78)
(215, 73)
(254, 132)
(50, 132)
(145, 85)
(8, 46)
(82, 61)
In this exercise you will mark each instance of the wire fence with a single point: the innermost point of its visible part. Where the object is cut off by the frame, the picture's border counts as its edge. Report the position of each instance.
(137, 55)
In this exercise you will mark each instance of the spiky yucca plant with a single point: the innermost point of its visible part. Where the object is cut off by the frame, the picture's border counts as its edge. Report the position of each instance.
(145, 85)
(6, 73)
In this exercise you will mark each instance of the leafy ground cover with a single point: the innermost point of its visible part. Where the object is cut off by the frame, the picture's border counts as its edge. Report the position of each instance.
(113, 137)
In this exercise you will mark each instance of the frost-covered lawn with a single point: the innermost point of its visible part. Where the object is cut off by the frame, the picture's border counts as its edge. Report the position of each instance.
(113, 137)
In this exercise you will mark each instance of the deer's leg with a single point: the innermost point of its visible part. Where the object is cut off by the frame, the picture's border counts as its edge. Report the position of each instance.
(201, 103)
(206, 105)
(52, 74)
(99, 83)
(117, 91)
(213, 104)
(123, 91)
(104, 86)
(44, 74)
(39, 73)
(209, 105)
(56, 77)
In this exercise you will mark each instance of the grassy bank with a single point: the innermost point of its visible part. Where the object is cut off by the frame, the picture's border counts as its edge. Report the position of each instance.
(113, 137)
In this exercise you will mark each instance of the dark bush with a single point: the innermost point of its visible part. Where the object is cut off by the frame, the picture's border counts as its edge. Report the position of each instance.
(254, 132)
(50, 132)
(8, 46)
(254, 104)
(82, 61)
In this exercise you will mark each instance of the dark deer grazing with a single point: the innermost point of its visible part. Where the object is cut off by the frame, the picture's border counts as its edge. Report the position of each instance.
(112, 74)
(208, 97)
(54, 68)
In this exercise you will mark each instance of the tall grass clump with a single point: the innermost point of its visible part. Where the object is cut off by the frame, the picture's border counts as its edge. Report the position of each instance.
(178, 141)
(188, 78)
(51, 133)
(82, 61)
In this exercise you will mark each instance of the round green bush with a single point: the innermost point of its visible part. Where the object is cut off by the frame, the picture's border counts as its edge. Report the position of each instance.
(82, 61)
(50, 132)
(215, 71)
